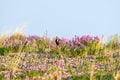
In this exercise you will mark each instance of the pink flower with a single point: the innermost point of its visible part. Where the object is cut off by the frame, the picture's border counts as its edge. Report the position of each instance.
(58, 64)
(23, 68)
(6, 42)
(76, 41)
(36, 68)
(73, 40)
(83, 38)
(82, 45)
(27, 78)
(14, 44)
(45, 75)
(111, 54)
(28, 68)
(97, 38)
(65, 40)
(96, 65)
(88, 38)
(71, 47)
(66, 76)
(42, 67)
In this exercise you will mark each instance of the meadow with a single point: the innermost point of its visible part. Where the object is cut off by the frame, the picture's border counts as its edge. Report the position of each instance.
(40, 58)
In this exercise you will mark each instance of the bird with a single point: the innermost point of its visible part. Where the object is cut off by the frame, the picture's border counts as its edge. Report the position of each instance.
(57, 40)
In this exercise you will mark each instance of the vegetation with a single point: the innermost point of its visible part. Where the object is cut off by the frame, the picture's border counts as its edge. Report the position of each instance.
(95, 60)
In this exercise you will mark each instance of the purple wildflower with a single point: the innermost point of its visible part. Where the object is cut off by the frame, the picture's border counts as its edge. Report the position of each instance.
(23, 68)
(42, 67)
(65, 40)
(82, 45)
(88, 38)
(73, 40)
(58, 64)
(27, 78)
(6, 42)
(35, 68)
(45, 74)
(28, 68)
(77, 47)
(34, 37)
(96, 65)
(97, 38)
(71, 47)
(76, 41)
(14, 44)
(83, 38)
(111, 54)
(65, 76)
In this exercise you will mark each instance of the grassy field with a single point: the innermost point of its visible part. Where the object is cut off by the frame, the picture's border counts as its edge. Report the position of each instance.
(41, 58)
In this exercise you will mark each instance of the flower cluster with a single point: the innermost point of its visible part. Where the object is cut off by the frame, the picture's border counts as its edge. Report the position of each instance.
(58, 64)
(36, 68)
(84, 44)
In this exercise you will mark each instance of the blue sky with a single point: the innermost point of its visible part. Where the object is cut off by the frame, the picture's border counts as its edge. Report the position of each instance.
(64, 18)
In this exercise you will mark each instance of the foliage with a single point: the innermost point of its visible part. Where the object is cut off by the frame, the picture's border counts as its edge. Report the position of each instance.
(114, 42)
(77, 46)
(89, 49)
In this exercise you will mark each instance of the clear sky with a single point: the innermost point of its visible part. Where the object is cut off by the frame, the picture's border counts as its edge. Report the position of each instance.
(64, 18)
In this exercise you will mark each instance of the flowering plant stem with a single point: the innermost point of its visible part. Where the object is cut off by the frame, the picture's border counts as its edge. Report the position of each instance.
(16, 59)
